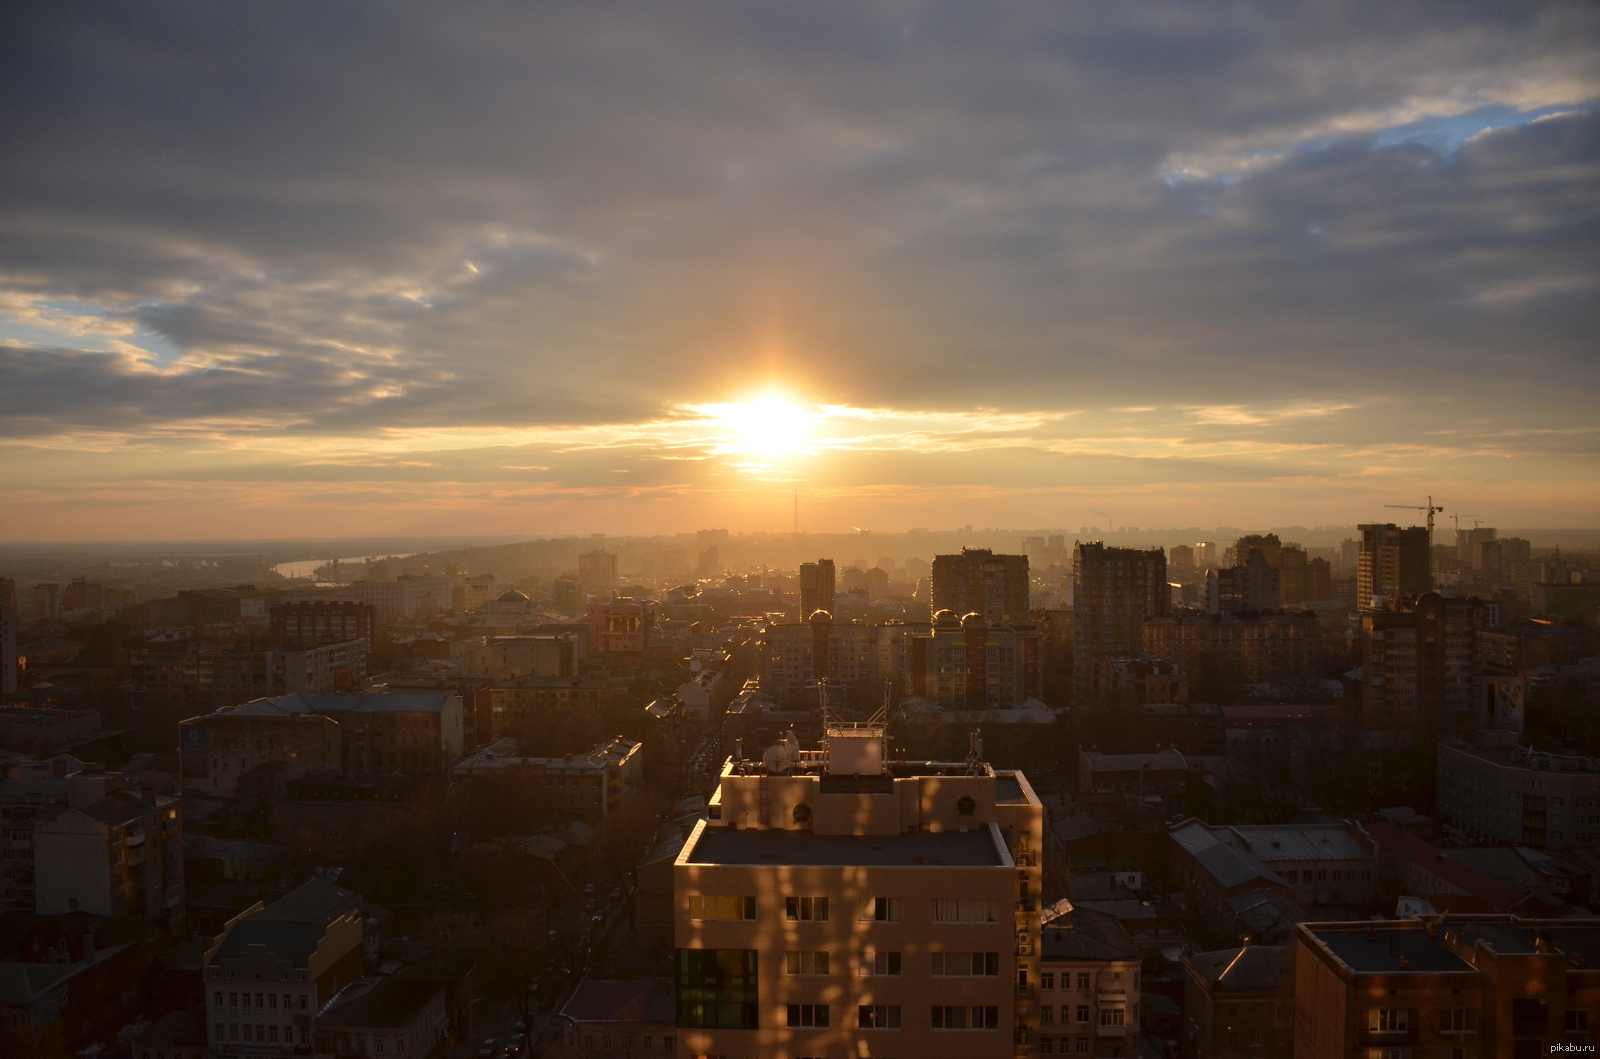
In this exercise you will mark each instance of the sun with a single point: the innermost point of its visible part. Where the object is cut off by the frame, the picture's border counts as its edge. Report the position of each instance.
(771, 425)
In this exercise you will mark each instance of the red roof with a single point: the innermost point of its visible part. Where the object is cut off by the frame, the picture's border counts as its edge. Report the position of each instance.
(1400, 843)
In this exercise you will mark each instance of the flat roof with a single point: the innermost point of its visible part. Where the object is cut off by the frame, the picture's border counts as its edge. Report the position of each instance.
(969, 849)
(1382, 951)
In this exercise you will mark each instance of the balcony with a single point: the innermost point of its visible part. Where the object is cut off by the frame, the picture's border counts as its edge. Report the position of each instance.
(1103, 1030)
(1027, 859)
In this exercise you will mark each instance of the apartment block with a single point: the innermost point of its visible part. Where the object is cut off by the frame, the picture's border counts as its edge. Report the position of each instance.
(971, 663)
(205, 677)
(1088, 986)
(1497, 791)
(1116, 591)
(31, 792)
(1256, 649)
(979, 581)
(1419, 667)
(403, 598)
(621, 626)
(1480, 986)
(121, 855)
(357, 734)
(1252, 585)
(816, 587)
(840, 903)
(315, 622)
(1392, 562)
(1238, 1003)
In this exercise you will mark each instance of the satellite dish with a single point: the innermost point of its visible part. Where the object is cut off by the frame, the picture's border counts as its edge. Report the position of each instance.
(776, 759)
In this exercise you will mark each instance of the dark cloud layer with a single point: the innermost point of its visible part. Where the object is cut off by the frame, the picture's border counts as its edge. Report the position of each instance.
(346, 218)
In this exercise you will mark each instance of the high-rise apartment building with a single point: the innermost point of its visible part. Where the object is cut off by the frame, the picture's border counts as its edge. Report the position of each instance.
(1253, 585)
(1468, 542)
(840, 903)
(974, 664)
(979, 581)
(8, 649)
(1259, 649)
(597, 569)
(313, 623)
(816, 587)
(1392, 562)
(1419, 667)
(1115, 591)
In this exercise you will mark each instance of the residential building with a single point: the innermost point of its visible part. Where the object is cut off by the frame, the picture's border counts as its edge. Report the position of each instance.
(316, 622)
(404, 598)
(335, 819)
(1116, 591)
(46, 731)
(972, 663)
(1163, 774)
(175, 1035)
(979, 581)
(1419, 668)
(1323, 864)
(1138, 679)
(622, 626)
(597, 570)
(580, 786)
(1409, 866)
(1238, 1003)
(274, 968)
(419, 733)
(1497, 791)
(1466, 985)
(31, 792)
(1230, 884)
(1252, 585)
(536, 700)
(205, 677)
(8, 649)
(1088, 986)
(838, 902)
(119, 856)
(397, 1015)
(636, 1016)
(507, 657)
(798, 656)
(816, 587)
(1238, 648)
(1392, 562)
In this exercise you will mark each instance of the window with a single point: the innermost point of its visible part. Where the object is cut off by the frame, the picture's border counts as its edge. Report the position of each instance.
(1047, 1014)
(880, 963)
(806, 908)
(218, 1002)
(1388, 1020)
(1113, 1017)
(966, 910)
(966, 963)
(1577, 1021)
(1082, 1047)
(806, 962)
(962, 1017)
(1047, 980)
(712, 907)
(880, 909)
(1458, 1020)
(233, 1000)
(1083, 1013)
(1047, 1046)
(1083, 981)
(718, 989)
(808, 1015)
(878, 1017)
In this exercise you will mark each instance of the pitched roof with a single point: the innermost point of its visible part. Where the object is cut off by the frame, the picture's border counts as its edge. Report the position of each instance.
(316, 901)
(388, 1002)
(1251, 969)
(1086, 934)
(634, 1000)
(299, 702)
(1402, 843)
(1229, 865)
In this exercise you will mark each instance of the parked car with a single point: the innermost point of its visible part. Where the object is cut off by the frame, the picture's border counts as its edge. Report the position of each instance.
(616, 893)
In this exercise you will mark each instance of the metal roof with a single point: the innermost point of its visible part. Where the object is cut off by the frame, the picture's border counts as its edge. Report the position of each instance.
(721, 845)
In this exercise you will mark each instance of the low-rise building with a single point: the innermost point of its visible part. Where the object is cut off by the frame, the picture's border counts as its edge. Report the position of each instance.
(418, 733)
(1238, 1003)
(395, 1015)
(1409, 866)
(1162, 774)
(621, 626)
(1133, 680)
(1324, 864)
(1088, 986)
(1230, 884)
(175, 1035)
(580, 786)
(405, 597)
(535, 701)
(507, 657)
(274, 968)
(204, 677)
(636, 1016)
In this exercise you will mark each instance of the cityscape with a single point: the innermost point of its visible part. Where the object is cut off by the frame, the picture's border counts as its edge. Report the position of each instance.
(783, 530)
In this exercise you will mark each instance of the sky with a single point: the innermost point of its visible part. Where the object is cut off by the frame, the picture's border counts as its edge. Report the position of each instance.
(292, 269)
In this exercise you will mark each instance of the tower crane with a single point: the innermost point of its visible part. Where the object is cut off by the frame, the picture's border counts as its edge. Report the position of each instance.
(1429, 508)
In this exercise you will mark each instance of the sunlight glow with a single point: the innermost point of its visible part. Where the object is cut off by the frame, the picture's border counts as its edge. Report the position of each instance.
(770, 426)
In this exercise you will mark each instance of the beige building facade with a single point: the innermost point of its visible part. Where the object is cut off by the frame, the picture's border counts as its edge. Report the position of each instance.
(838, 903)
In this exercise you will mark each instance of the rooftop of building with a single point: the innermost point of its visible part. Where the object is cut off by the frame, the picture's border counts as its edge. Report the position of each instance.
(315, 901)
(1393, 947)
(1399, 842)
(117, 809)
(587, 683)
(335, 702)
(967, 849)
(1529, 759)
(175, 1028)
(1250, 969)
(632, 1000)
(1271, 842)
(385, 1003)
(1228, 864)
(1087, 934)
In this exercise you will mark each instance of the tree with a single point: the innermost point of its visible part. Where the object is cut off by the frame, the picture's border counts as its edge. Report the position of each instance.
(515, 959)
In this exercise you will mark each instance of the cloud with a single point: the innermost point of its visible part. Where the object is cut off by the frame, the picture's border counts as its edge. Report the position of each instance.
(361, 228)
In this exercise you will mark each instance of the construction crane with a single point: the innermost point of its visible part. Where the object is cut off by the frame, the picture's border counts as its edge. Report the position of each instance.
(1430, 509)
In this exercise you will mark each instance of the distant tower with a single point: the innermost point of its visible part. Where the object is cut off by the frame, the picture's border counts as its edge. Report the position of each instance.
(797, 510)
(816, 587)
